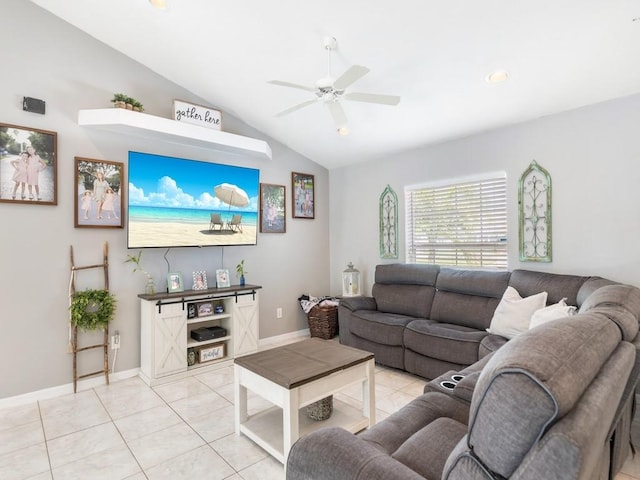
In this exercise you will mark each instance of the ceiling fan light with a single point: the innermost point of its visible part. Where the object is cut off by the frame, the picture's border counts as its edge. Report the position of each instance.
(497, 76)
(159, 4)
(343, 131)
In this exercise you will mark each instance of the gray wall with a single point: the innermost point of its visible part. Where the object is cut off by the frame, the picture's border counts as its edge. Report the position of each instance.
(592, 155)
(46, 58)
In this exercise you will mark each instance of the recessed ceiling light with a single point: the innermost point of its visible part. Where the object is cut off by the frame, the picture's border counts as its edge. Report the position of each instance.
(343, 131)
(159, 4)
(497, 76)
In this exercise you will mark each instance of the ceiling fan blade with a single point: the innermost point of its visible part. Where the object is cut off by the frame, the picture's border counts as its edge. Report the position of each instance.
(296, 107)
(292, 85)
(339, 118)
(372, 98)
(354, 73)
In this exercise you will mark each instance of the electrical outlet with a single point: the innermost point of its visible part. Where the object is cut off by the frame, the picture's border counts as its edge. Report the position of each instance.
(115, 340)
(279, 312)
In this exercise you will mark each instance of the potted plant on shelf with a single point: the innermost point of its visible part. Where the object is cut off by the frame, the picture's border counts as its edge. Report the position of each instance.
(137, 106)
(240, 271)
(92, 309)
(150, 287)
(119, 100)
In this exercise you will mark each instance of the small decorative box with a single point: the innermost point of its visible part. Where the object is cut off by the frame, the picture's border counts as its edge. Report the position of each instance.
(213, 352)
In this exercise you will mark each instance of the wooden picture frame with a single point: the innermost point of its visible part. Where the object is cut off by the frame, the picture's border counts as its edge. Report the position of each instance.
(28, 165)
(273, 209)
(222, 278)
(205, 309)
(174, 282)
(199, 280)
(98, 193)
(303, 195)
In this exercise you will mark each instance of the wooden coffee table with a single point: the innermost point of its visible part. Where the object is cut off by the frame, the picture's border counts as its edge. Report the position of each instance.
(293, 376)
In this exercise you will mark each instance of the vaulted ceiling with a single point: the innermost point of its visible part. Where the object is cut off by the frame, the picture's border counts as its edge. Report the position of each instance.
(436, 55)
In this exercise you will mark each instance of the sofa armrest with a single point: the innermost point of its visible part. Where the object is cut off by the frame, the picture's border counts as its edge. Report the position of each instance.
(345, 308)
(359, 303)
(334, 453)
(465, 387)
(490, 344)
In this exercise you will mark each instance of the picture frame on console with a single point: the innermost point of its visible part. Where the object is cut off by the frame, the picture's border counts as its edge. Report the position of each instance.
(199, 280)
(98, 193)
(273, 209)
(29, 155)
(174, 282)
(303, 197)
(222, 278)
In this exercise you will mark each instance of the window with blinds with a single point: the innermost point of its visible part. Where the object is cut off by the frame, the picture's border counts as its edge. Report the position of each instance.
(461, 224)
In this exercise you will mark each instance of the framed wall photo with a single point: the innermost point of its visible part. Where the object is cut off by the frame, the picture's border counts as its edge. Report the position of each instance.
(222, 278)
(199, 280)
(303, 198)
(273, 210)
(98, 193)
(174, 282)
(28, 165)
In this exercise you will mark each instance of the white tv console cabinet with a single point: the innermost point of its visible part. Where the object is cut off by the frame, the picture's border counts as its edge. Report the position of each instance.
(167, 319)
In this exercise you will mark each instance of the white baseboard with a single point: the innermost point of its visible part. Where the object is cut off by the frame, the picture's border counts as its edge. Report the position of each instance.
(98, 380)
(283, 339)
(66, 389)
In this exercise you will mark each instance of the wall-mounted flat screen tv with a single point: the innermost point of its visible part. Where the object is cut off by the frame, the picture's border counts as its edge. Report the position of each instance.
(177, 202)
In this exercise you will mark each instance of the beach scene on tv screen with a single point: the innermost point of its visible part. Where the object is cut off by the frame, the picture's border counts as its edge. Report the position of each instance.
(177, 202)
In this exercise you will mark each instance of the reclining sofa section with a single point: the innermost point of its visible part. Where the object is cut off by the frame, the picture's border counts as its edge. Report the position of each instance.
(555, 402)
(428, 319)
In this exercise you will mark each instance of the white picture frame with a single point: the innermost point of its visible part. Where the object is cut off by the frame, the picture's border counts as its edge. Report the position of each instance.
(199, 280)
(222, 278)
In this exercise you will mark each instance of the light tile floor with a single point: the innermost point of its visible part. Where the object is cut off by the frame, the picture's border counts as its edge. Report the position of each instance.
(181, 430)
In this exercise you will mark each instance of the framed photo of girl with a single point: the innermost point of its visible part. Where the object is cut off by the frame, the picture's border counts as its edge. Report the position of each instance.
(98, 193)
(174, 282)
(273, 210)
(28, 165)
(303, 198)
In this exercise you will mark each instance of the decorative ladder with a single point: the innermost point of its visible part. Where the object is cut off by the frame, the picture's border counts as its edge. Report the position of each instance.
(105, 342)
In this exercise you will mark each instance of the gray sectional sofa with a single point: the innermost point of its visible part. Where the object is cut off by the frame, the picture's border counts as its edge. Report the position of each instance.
(555, 402)
(427, 319)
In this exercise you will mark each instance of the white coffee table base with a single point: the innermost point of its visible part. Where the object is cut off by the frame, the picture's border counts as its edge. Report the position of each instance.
(277, 428)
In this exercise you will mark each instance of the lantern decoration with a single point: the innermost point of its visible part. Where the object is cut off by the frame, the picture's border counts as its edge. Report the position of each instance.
(350, 282)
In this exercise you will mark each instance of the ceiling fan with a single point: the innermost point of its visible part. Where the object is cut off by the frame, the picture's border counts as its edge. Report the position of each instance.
(331, 91)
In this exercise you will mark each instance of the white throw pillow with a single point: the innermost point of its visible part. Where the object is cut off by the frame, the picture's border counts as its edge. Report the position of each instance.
(513, 313)
(552, 312)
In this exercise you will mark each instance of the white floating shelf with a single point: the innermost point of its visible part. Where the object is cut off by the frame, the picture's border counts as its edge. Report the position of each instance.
(128, 122)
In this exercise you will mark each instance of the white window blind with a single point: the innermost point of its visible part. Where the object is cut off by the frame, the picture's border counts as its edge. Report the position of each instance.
(462, 224)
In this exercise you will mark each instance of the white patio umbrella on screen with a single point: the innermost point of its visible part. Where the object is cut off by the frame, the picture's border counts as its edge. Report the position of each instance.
(232, 195)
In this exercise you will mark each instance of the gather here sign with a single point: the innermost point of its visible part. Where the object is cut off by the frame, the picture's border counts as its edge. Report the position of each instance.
(197, 115)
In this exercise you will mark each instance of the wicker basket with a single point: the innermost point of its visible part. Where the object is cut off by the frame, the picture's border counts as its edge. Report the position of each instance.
(320, 410)
(323, 321)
